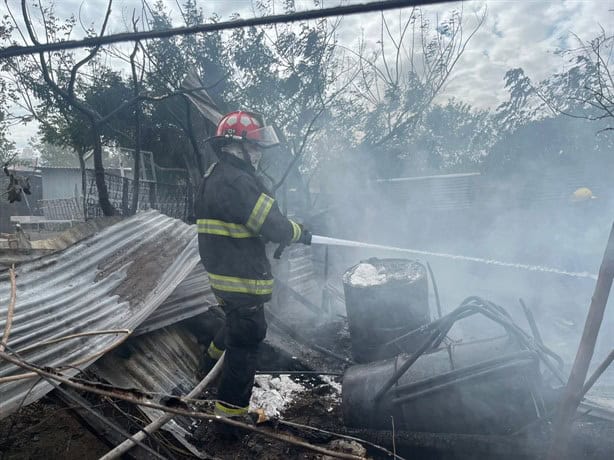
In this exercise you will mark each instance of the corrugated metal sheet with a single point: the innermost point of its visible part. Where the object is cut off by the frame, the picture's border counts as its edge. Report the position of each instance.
(113, 280)
(300, 274)
(163, 361)
(166, 360)
(192, 297)
(454, 191)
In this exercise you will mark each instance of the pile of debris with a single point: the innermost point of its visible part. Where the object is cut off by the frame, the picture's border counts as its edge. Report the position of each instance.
(103, 322)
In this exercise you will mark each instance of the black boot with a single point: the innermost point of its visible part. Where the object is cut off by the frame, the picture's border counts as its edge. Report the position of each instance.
(226, 433)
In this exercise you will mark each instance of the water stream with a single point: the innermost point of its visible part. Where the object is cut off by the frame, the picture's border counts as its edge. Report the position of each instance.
(325, 240)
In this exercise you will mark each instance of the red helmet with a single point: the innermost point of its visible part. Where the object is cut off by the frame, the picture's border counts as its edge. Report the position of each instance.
(245, 126)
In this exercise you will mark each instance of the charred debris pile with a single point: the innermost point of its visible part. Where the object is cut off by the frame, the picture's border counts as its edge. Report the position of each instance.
(108, 327)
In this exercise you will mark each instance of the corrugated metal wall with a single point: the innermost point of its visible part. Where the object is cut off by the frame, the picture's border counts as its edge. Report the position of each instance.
(456, 192)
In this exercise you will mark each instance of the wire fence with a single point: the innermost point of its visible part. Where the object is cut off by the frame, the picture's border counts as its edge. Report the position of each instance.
(174, 200)
(62, 209)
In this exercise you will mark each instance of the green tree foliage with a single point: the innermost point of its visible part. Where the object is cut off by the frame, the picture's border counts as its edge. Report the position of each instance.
(586, 88)
(284, 72)
(173, 129)
(292, 74)
(551, 124)
(453, 137)
(65, 126)
(378, 105)
(6, 146)
(59, 84)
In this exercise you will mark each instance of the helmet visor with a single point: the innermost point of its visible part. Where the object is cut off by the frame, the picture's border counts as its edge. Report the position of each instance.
(264, 137)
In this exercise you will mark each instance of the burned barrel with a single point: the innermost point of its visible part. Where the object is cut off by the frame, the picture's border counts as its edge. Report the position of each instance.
(384, 299)
(485, 387)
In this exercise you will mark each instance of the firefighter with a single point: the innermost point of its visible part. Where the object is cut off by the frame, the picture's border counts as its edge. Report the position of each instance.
(236, 216)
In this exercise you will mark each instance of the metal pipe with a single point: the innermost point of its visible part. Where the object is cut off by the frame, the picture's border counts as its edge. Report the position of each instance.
(435, 290)
(407, 364)
(455, 377)
(125, 446)
(316, 373)
(531, 320)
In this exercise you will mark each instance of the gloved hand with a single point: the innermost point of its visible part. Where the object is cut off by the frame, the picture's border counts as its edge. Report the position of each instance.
(305, 236)
(280, 250)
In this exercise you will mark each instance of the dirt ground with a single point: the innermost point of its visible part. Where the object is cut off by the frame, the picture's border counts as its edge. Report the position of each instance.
(46, 430)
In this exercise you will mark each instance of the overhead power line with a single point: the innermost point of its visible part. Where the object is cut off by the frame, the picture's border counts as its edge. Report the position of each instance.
(213, 27)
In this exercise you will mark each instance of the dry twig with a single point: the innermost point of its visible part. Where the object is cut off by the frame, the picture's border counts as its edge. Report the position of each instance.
(339, 435)
(10, 311)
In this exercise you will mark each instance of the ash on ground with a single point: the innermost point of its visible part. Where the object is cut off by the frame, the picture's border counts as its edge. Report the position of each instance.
(304, 399)
(273, 394)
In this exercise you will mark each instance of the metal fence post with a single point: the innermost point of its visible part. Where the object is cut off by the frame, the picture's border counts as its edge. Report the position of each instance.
(125, 196)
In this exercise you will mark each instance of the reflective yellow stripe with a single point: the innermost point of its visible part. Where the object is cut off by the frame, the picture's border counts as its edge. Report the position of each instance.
(296, 231)
(221, 228)
(241, 285)
(260, 212)
(210, 170)
(225, 411)
(214, 352)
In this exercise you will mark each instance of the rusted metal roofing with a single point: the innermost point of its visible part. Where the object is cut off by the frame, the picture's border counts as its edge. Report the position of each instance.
(112, 280)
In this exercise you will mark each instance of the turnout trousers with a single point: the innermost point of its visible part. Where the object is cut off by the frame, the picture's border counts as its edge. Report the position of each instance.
(240, 336)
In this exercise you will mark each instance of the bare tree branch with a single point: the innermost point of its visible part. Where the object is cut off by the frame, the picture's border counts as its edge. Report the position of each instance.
(90, 56)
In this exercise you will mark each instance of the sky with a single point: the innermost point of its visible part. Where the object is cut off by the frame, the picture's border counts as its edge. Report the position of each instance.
(523, 34)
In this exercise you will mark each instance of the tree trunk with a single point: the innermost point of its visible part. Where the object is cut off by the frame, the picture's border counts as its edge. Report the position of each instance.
(195, 164)
(80, 154)
(137, 160)
(193, 140)
(103, 194)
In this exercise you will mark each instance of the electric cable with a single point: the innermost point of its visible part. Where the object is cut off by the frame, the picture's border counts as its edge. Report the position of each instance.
(347, 10)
